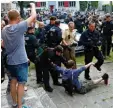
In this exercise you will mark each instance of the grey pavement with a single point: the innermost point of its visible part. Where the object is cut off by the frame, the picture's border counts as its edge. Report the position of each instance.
(100, 97)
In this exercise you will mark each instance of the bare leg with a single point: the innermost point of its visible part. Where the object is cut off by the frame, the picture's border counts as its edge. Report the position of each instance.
(20, 92)
(13, 90)
(97, 81)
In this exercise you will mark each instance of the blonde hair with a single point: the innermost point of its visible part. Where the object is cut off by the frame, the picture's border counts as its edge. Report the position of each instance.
(13, 15)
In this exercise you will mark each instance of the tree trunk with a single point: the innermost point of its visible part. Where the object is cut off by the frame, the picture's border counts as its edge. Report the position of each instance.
(111, 7)
(21, 4)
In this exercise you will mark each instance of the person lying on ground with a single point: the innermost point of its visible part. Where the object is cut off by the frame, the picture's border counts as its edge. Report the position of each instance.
(72, 73)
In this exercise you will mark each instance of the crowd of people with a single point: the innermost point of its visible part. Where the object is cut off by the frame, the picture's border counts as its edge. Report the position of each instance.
(48, 47)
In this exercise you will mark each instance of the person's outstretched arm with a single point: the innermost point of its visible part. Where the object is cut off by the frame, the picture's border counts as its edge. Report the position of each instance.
(88, 65)
(58, 68)
(77, 72)
(33, 14)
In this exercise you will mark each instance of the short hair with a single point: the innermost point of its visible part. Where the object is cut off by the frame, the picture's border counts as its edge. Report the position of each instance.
(53, 18)
(58, 48)
(108, 15)
(91, 22)
(57, 22)
(70, 63)
(13, 14)
(70, 23)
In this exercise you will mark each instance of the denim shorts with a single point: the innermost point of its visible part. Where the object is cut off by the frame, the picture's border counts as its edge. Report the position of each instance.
(19, 72)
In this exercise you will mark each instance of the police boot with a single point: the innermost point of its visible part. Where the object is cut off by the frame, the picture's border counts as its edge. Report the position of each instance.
(98, 68)
(87, 77)
(48, 88)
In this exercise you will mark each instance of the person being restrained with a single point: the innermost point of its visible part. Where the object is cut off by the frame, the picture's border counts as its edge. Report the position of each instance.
(71, 73)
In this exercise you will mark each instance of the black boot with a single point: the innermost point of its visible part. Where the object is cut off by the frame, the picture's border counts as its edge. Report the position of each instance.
(98, 68)
(87, 77)
(49, 89)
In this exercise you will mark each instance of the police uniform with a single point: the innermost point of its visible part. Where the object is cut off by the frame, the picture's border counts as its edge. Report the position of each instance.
(48, 27)
(54, 37)
(46, 58)
(90, 40)
(31, 44)
(69, 37)
(107, 28)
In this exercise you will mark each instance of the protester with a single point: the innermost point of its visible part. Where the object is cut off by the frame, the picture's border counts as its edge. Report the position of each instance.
(72, 74)
(13, 37)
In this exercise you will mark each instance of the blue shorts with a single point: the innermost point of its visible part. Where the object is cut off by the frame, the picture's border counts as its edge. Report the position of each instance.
(19, 72)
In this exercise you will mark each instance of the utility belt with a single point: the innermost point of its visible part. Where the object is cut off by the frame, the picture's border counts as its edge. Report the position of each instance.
(91, 48)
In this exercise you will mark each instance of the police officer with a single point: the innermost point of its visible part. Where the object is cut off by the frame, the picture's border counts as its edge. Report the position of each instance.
(90, 40)
(52, 23)
(51, 55)
(107, 29)
(69, 18)
(31, 45)
(79, 24)
(54, 36)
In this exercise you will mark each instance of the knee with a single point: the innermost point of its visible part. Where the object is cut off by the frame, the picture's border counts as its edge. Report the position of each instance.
(101, 60)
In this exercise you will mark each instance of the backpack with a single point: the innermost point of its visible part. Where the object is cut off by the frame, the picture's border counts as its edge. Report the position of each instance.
(68, 85)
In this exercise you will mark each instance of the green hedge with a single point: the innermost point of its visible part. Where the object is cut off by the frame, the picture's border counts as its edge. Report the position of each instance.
(106, 7)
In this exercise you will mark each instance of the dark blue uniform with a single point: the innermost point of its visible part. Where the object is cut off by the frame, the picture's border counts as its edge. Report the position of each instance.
(90, 40)
(48, 27)
(107, 28)
(46, 58)
(54, 37)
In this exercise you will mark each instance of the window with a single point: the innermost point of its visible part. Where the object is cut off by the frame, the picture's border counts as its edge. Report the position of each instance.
(61, 4)
(43, 4)
(72, 3)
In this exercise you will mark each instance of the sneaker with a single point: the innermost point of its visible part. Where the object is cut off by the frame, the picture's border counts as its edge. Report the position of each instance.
(105, 78)
(49, 89)
(23, 100)
(26, 107)
(15, 106)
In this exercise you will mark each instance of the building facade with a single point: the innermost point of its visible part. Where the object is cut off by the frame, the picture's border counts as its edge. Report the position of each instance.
(58, 5)
(5, 7)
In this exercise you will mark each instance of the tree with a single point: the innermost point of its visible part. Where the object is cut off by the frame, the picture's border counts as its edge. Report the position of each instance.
(94, 4)
(83, 5)
(22, 5)
(111, 8)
